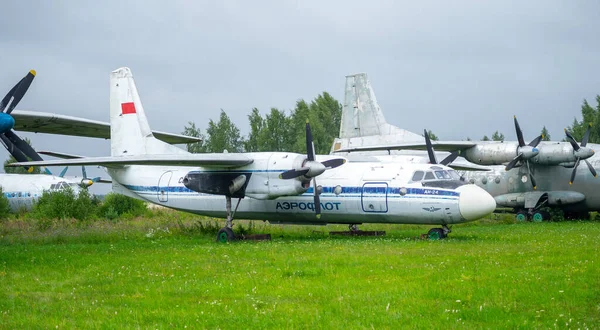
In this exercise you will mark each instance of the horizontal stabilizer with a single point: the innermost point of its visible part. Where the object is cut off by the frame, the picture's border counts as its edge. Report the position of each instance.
(59, 155)
(51, 123)
(468, 167)
(207, 160)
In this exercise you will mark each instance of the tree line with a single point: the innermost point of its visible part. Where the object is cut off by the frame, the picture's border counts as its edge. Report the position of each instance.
(277, 130)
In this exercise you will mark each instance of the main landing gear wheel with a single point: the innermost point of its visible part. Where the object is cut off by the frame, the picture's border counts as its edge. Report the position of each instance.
(521, 216)
(539, 216)
(225, 235)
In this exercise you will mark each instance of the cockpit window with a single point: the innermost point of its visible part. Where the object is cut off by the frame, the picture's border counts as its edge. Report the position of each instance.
(418, 176)
(429, 176)
(454, 175)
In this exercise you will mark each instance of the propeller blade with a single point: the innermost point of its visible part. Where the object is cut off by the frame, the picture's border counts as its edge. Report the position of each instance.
(83, 172)
(8, 96)
(586, 136)
(513, 162)
(574, 171)
(96, 179)
(14, 151)
(63, 172)
(531, 178)
(333, 163)
(317, 199)
(519, 133)
(572, 140)
(20, 91)
(47, 171)
(310, 146)
(450, 158)
(430, 152)
(591, 168)
(536, 141)
(291, 174)
(23, 146)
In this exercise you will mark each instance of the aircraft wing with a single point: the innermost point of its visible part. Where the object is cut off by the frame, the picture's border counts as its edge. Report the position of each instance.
(437, 145)
(468, 167)
(51, 123)
(60, 155)
(208, 160)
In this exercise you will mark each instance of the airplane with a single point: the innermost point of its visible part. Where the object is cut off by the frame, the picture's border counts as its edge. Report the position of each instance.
(535, 176)
(23, 190)
(280, 187)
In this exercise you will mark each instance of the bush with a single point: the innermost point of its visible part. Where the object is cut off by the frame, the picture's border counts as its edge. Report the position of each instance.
(4, 205)
(116, 205)
(63, 204)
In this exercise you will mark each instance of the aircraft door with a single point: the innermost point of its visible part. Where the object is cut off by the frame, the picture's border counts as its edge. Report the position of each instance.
(163, 186)
(374, 197)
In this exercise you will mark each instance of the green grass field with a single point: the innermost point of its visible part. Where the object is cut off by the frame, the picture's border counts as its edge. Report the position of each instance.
(169, 274)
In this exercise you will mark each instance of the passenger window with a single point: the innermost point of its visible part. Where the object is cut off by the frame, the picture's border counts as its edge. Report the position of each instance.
(418, 176)
(429, 176)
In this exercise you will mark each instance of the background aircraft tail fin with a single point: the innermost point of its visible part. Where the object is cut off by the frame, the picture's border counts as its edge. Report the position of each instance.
(363, 123)
(130, 133)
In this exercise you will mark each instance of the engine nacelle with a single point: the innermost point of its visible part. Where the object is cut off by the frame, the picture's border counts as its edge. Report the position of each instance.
(491, 153)
(260, 180)
(269, 186)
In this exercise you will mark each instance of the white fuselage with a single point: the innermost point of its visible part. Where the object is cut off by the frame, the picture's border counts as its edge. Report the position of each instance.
(352, 193)
(23, 190)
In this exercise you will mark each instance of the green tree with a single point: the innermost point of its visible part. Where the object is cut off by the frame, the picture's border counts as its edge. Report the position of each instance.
(274, 136)
(324, 114)
(590, 116)
(253, 143)
(497, 136)
(19, 170)
(223, 135)
(192, 130)
(485, 138)
(545, 134)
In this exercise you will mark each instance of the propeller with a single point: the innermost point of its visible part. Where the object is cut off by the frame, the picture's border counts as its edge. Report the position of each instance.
(18, 148)
(85, 181)
(581, 152)
(311, 168)
(432, 159)
(525, 152)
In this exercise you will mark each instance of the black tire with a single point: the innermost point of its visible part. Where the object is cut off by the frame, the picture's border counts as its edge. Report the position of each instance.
(225, 235)
(435, 234)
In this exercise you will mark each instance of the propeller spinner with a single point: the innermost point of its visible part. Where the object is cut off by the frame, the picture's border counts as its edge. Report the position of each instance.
(311, 168)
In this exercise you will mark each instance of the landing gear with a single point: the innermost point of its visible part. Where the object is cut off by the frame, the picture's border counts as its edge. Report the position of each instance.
(226, 234)
(435, 234)
(535, 215)
(353, 227)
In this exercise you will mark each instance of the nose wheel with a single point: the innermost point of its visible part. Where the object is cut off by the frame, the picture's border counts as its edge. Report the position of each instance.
(435, 234)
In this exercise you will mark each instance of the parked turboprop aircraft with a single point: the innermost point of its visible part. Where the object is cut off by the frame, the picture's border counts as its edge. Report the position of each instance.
(277, 184)
(536, 175)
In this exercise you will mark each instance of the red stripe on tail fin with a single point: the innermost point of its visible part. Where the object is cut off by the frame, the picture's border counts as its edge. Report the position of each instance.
(127, 108)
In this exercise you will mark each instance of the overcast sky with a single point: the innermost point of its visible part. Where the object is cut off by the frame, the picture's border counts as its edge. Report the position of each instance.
(459, 68)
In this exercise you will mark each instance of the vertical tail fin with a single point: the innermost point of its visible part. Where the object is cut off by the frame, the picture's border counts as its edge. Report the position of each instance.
(363, 123)
(130, 133)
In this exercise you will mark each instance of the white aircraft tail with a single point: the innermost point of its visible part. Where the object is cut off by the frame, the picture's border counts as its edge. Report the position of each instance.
(363, 123)
(130, 133)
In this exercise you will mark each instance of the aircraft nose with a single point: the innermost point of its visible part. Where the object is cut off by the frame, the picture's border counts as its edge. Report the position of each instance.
(474, 203)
